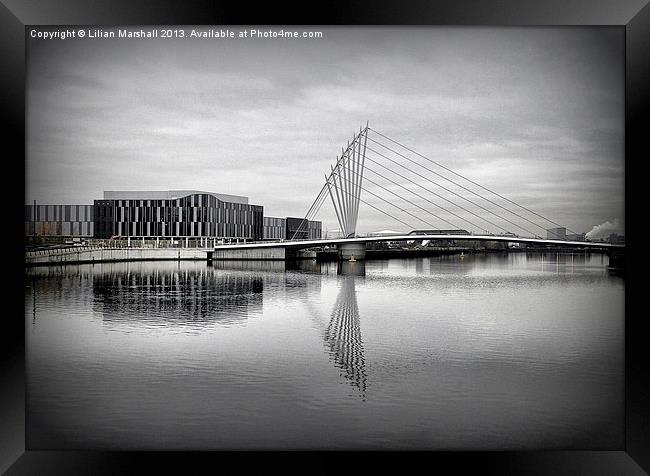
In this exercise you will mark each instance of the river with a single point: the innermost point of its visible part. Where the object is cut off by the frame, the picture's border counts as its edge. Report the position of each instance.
(486, 351)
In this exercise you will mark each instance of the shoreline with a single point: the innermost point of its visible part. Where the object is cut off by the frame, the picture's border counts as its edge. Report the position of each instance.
(91, 255)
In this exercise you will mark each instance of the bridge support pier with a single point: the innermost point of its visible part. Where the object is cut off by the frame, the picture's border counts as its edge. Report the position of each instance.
(255, 254)
(348, 251)
(616, 260)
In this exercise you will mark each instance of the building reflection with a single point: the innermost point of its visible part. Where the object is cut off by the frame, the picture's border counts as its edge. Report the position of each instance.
(304, 265)
(193, 295)
(184, 295)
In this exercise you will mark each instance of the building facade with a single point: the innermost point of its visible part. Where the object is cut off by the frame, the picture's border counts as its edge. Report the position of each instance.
(59, 220)
(285, 228)
(315, 230)
(177, 214)
(556, 233)
(166, 214)
(575, 236)
(275, 228)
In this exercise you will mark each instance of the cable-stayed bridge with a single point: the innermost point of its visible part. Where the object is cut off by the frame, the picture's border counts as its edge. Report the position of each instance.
(379, 175)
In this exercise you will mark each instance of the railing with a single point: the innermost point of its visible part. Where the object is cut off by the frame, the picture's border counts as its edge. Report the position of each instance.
(60, 251)
(134, 243)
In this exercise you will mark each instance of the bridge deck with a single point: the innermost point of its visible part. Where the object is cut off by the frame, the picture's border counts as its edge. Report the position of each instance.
(298, 244)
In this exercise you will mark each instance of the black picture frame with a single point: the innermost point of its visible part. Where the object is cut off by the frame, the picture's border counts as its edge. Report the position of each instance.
(633, 15)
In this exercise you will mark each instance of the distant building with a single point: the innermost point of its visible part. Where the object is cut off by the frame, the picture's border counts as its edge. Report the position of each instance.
(616, 239)
(177, 214)
(275, 228)
(556, 233)
(59, 220)
(315, 229)
(575, 237)
(288, 228)
(166, 214)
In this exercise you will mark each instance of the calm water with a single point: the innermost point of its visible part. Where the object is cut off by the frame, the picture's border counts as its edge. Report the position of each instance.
(486, 352)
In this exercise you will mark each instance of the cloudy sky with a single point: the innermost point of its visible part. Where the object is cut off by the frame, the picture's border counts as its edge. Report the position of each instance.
(533, 113)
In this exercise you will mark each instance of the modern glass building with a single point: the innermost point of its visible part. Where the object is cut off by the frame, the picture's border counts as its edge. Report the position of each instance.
(177, 213)
(166, 214)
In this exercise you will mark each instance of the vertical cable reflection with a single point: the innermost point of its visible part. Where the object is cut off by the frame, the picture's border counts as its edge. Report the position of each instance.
(33, 301)
(343, 336)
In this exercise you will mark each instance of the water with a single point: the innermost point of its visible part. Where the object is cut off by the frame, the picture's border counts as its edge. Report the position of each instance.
(482, 352)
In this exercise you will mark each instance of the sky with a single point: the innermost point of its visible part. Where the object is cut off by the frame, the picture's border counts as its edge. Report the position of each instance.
(536, 114)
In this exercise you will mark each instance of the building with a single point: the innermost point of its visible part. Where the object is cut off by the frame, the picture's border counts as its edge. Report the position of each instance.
(615, 238)
(59, 220)
(556, 234)
(165, 214)
(315, 230)
(275, 228)
(576, 237)
(178, 214)
(286, 228)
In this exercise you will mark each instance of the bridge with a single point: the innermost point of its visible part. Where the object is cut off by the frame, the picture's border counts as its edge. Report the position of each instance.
(407, 186)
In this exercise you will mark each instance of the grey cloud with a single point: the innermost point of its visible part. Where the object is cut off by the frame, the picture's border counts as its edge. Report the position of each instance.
(536, 114)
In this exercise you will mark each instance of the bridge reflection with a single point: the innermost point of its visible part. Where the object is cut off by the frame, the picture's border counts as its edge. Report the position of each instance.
(342, 333)
(191, 296)
(343, 336)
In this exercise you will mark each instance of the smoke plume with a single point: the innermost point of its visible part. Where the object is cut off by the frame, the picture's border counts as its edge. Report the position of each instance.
(604, 230)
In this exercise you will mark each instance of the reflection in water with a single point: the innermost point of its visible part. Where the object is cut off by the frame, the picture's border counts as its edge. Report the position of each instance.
(183, 296)
(306, 265)
(270, 265)
(343, 336)
(490, 351)
(351, 268)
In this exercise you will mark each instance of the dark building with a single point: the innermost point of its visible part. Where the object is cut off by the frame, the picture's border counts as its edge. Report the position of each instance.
(179, 214)
(297, 228)
(285, 228)
(616, 239)
(165, 214)
(104, 218)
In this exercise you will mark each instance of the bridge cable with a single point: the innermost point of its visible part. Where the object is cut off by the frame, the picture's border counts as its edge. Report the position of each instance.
(409, 201)
(426, 199)
(443, 198)
(370, 205)
(392, 204)
(457, 194)
(469, 180)
(454, 193)
(322, 198)
(313, 210)
(388, 214)
(345, 154)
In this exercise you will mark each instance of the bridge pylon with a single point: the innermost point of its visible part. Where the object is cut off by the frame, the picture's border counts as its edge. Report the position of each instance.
(344, 183)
